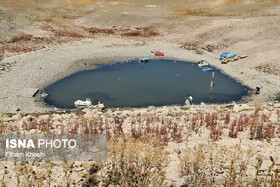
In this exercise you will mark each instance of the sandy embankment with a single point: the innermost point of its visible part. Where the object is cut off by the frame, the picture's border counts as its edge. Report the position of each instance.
(39, 68)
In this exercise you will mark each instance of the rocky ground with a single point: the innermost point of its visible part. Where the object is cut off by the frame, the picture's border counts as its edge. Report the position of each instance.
(43, 41)
(41, 28)
(243, 133)
(37, 69)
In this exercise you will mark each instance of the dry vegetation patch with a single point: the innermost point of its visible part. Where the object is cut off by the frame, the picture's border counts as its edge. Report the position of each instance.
(136, 162)
(138, 144)
(22, 43)
(269, 68)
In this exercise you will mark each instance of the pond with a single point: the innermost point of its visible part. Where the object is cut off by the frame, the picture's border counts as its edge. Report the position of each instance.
(133, 84)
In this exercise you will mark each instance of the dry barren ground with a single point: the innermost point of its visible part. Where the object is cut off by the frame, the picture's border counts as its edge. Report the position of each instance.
(168, 146)
(230, 145)
(246, 27)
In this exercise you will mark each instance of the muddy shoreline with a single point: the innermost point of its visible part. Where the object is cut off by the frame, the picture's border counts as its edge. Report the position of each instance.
(40, 68)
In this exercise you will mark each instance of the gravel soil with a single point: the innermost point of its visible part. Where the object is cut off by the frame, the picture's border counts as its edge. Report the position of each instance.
(40, 68)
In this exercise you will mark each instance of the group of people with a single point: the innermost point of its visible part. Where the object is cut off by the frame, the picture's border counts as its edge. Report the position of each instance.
(190, 98)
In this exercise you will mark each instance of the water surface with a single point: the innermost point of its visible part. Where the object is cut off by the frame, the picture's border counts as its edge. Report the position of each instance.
(133, 84)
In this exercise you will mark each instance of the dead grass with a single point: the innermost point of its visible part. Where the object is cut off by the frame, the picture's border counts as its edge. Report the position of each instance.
(69, 5)
(206, 164)
(136, 162)
(19, 4)
(142, 32)
(256, 1)
(67, 33)
(218, 7)
(141, 154)
(95, 30)
(22, 43)
(268, 68)
(20, 37)
(199, 11)
(125, 32)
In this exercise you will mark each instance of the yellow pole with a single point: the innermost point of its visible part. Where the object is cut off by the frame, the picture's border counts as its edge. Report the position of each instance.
(211, 86)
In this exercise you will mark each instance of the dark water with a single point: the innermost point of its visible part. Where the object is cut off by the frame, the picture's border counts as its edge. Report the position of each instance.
(133, 84)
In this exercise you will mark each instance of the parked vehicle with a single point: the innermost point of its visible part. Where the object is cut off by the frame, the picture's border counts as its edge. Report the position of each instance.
(225, 60)
(227, 55)
(144, 60)
(158, 53)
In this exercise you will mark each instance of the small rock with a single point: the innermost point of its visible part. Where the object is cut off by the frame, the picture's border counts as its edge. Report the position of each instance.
(152, 107)
(266, 112)
(277, 105)
(85, 110)
(244, 107)
(273, 119)
(33, 131)
(236, 108)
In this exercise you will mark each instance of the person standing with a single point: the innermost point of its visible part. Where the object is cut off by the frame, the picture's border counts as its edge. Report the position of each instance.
(190, 99)
(257, 90)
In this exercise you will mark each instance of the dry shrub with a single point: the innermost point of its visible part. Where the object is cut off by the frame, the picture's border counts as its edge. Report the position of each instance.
(275, 176)
(95, 30)
(91, 173)
(187, 45)
(209, 48)
(2, 127)
(66, 33)
(2, 53)
(189, 11)
(163, 128)
(26, 43)
(203, 165)
(23, 43)
(32, 174)
(136, 162)
(36, 173)
(140, 31)
(268, 177)
(260, 128)
(193, 166)
(195, 46)
(21, 37)
(197, 11)
(233, 130)
(148, 31)
(132, 33)
(227, 118)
